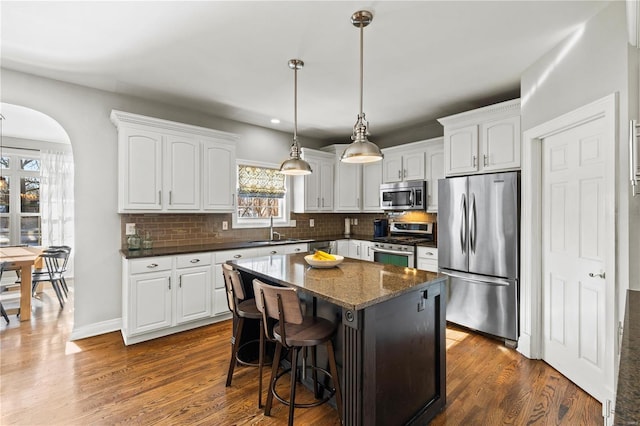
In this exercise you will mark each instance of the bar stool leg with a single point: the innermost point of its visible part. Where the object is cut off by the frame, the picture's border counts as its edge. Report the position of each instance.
(272, 381)
(336, 379)
(314, 364)
(260, 363)
(294, 371)
(234, 350)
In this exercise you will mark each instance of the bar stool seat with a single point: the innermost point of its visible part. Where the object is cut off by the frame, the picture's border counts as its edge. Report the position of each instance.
(296, 332)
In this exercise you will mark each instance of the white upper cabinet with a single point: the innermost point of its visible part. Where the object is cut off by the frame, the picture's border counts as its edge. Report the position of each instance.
(140, 170)
(435, 171)
(219, 172)
(371, 180)
(314, 192)
(403, 163)
(166, 166)
(483, 140)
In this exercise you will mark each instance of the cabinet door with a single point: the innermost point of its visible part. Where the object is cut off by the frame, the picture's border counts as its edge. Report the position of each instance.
(193, 295)
(182, 173)
(435, 171)
(219, 176)
(413, 166)
(365, 250)
(150, 302)
(348, 187)
(500, 142)
(355, 250)
(392, 168)
(312, 186)
(461, 150)
(326, 186)
(342, 248)
(371, 180)
(140, 163)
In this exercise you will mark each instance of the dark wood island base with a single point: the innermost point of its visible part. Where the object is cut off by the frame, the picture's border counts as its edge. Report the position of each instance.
(390, 350)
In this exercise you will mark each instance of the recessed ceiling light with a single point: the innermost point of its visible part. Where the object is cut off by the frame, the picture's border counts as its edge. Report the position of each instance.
(275, 121)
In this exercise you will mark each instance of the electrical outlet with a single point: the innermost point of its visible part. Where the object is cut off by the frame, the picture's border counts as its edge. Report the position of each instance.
(225, 225)
(130, 228)
(312, 223)
(355, 221)
(293, 223)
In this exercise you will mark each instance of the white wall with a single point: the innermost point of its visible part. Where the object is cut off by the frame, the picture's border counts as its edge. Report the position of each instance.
(583, 68)
(84, 114)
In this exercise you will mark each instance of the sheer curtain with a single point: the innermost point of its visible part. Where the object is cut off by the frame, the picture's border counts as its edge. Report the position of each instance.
(56, 200)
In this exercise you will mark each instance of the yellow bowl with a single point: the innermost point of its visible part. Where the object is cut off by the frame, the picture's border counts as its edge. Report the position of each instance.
(323, 263)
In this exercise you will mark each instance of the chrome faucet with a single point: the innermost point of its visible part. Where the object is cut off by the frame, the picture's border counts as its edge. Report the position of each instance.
(272, 233)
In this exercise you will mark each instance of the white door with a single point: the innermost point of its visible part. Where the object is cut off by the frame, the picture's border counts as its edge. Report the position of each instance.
(578, 302)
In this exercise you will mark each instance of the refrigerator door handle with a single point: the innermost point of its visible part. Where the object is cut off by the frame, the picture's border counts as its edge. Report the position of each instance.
(472, 223)
(481, 279)
(463, 223)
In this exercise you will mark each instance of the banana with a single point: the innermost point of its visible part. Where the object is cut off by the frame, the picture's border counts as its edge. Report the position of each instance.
(321, 255)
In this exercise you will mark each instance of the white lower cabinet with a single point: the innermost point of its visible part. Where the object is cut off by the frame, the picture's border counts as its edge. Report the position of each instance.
(194, 281)
(427, 258)
(357, 249)
(166, 294)
(219, 293)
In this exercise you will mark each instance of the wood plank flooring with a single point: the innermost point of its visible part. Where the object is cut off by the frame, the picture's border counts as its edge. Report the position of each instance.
(180, 379)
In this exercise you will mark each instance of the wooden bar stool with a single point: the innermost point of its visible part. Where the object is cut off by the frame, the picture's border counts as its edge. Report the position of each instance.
(242, 308)
(294, 331)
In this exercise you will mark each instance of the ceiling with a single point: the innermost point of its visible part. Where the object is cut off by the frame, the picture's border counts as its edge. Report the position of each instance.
(422, 59)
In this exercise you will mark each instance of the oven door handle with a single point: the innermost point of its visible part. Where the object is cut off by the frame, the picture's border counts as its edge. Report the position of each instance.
(402, 253)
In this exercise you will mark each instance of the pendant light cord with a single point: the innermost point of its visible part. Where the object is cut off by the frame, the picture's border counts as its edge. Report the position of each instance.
(361, 65)
(295, 103)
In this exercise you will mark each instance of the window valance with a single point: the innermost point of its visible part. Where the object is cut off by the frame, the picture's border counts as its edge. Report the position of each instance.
(260, 182)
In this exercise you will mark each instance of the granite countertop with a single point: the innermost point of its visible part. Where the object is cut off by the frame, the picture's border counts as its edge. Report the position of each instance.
(354, 284)
(230, 245)
(628, 394)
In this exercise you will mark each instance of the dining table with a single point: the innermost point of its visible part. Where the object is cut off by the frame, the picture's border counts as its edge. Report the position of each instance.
(23, 258)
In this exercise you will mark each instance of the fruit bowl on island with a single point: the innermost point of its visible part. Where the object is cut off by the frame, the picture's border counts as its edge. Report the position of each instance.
(323, 260)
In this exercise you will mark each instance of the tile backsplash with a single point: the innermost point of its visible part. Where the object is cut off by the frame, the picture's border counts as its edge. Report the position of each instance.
(187, 229)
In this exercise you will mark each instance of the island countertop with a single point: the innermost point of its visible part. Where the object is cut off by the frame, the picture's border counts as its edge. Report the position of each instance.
(354, 284)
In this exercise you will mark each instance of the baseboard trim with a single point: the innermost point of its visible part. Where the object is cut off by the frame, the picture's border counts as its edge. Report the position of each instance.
(96, 329)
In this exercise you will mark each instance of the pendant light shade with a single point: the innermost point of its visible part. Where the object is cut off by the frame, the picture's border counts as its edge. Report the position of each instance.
(361, 150)
(295, 165)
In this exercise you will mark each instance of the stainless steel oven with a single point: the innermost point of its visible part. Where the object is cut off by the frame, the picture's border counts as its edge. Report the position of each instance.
(394, 254)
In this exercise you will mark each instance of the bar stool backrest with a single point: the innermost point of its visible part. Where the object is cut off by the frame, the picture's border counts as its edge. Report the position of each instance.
(233, 286)
(279, 303)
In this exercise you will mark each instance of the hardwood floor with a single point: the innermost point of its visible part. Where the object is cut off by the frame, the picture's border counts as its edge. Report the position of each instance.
(180, 379)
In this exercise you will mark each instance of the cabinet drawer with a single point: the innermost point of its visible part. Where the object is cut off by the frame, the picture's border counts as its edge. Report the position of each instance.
(193, 259)
(150, 264)
(223, 256)
(428, 253)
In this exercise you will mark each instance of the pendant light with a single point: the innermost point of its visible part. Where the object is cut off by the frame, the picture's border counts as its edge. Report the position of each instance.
(295, 165)
(361, 150)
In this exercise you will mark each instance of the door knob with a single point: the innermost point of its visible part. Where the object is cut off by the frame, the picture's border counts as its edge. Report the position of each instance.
(600, 275)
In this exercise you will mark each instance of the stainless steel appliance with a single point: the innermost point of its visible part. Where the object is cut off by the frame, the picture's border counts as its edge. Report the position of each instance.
(408, 195)
(478, 247)
(399, 248)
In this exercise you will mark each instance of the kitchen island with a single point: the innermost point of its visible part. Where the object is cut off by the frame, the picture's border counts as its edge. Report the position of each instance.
(390, 345)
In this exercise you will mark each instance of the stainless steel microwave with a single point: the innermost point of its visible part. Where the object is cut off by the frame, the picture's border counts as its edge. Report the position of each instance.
(408, 195)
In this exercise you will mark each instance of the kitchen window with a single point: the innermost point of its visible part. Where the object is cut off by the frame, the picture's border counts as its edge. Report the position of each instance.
(20, 221)
(262, 194)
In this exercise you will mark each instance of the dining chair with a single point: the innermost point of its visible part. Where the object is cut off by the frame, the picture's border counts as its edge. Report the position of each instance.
(54, 259)
(2, 311)
(61, 267)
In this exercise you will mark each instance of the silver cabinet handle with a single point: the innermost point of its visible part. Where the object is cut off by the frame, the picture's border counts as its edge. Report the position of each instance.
(194, 260)
(399, 174)
(180, 281)
(404, 173)
(486, 160)
(318, 203)
(160, 197)
(233, 199)
(633, 157)
(600, 275)
(474, 161)
(152, 265)
(169, 283)
(297, 249)
(429, 253)
(170, 197)
(273, 252)
(237, 256)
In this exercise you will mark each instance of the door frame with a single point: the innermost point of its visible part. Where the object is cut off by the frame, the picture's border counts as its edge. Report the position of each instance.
(530, 343)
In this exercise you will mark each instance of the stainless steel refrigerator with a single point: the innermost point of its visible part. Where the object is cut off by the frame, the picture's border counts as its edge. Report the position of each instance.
(478, 248)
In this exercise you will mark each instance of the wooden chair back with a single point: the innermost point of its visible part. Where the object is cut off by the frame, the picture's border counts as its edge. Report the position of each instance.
(280, 303)
(233, 286)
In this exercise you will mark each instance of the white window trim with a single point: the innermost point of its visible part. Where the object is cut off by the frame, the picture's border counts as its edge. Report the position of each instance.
(285, 221)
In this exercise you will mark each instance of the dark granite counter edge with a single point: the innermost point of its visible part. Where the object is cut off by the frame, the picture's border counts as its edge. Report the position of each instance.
(232, 245)
(627, 410)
